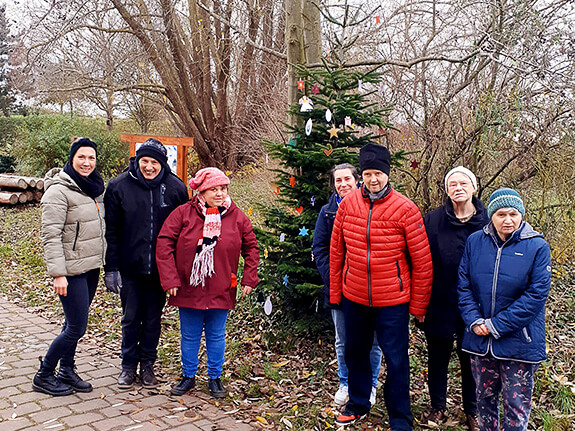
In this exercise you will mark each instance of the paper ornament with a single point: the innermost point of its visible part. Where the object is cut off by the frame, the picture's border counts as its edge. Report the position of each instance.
(303, 231)
(250, 211)
(306, 104)
(327, 151)
(299, 210)
(359, 84)
(282, 237)
(267, 159)
(347, 121)
(328, 116)
(268, 306)
(276, 191)
(300, 85)
(377, 19)
(312, 201)
(333, 132)
(291, 142)
(381, 87)
(308, 126)
(414, 164)
(315, 89)
(285, 280)
(292, 181)
(266, 253)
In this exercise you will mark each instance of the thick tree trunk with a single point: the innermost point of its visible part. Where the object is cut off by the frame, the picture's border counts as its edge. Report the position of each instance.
(295, 49)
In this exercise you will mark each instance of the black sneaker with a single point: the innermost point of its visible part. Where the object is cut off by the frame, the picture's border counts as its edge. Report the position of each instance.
(348, 417)
(126, 379)
(216, 388)
(185, 385)
(147, 376)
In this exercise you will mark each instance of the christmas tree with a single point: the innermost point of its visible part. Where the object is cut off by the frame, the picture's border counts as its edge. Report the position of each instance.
(334, 118)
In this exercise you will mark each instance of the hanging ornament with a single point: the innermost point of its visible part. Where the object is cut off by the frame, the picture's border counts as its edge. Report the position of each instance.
(315, 89)
(306, 104)
(267, 159)
(312, 201)
(250, 211)
(268, 306)
(285, 280)
(266, 253)
(303, 231)
(282, 237)
(276, 191)
(300, 85)
(333, 132)
(292, 181)
(328, 116)
(328, 151)
(414, 164)
(308, 126)
(291, 142)
(347, 121)
(377, 19)
(299, 210)
(381, 87)
(359, 84)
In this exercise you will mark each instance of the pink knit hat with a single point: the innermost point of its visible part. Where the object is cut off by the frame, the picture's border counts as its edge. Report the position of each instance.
(207, 178)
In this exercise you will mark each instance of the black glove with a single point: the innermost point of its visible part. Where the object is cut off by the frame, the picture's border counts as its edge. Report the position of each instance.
(113, 281)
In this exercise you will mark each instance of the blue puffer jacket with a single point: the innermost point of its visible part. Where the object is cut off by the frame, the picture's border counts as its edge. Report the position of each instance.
(505, 286)
(321, 241)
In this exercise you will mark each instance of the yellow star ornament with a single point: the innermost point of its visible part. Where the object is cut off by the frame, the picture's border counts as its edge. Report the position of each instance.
(333, 132)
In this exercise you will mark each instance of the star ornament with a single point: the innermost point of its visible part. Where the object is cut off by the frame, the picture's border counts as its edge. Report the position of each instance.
(414, 164)
(303, 231)
(285, 280)
(333, 132)
(315, 89)
(300, 85)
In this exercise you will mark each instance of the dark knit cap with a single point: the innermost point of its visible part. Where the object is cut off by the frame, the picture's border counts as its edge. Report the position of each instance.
(81, 142)
(154, 149)
(373, 156)
(505, 198)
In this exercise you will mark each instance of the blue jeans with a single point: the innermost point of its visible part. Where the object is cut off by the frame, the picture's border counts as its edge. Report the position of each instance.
(391, 324)
(192, 323)
(81, 291)
(374, 355)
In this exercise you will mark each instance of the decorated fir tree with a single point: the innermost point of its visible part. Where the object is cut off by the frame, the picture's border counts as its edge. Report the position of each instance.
(334, 118)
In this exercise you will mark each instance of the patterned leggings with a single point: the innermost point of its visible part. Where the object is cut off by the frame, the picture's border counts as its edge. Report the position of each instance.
(514, 381)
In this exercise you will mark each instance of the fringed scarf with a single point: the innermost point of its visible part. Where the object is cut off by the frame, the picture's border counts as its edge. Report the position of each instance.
(203, 266)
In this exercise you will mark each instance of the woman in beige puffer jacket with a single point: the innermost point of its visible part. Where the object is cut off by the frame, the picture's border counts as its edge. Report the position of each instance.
(74, 247)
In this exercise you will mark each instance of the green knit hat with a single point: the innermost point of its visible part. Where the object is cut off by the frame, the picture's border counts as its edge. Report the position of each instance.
(505, 198)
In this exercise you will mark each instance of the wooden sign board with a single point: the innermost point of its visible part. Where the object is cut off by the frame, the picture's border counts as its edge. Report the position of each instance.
(176, 145)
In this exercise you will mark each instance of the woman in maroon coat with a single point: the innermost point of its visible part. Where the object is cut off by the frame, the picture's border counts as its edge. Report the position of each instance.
(198, 250)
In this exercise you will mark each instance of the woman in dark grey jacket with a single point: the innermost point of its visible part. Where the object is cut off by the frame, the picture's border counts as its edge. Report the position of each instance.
(74, 248)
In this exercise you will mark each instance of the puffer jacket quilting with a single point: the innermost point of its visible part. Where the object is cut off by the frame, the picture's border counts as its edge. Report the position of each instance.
(73, 227)
(383, 259)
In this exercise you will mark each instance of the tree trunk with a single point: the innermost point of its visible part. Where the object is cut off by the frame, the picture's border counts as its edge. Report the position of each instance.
(295, 49)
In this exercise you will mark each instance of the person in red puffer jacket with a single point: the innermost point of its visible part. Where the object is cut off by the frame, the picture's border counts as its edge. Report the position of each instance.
(380, 271)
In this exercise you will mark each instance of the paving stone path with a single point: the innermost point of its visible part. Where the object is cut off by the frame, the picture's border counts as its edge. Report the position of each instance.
(25, 336)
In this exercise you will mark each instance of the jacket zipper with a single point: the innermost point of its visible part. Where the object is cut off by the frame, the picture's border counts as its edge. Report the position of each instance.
(526, 334)
(151, 231)
(369, 254)
(399, 276)
(76, 237)
(495, 277)
(346, 271)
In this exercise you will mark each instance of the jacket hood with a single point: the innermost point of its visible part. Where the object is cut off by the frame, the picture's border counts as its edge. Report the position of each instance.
(58, 176)
(525, 231)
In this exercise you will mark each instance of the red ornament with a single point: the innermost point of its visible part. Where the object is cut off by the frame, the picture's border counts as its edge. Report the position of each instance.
(414, 164)
(292, 181)
(377, 20)
(300, 85)
(299, 210)
(276, 191)
(315, 89)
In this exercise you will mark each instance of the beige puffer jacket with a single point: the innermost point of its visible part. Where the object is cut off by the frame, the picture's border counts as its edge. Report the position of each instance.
(73, 227)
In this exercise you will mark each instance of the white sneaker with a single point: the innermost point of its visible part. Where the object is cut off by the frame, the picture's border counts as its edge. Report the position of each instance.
(341, 395)
(372, 396)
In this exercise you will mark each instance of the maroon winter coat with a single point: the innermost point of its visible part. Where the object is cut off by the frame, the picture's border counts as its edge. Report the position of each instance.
(176, 249)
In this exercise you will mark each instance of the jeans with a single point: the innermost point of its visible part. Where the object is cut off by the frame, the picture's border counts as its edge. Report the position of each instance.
(374, 355)
(143, 301)
(392, 327)
(439, 354)
(81, 291)
(213, 323)
(513, 380)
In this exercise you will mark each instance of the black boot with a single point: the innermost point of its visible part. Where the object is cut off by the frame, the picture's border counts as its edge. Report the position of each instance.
(67, 374)
(45, 381)
(147, 376)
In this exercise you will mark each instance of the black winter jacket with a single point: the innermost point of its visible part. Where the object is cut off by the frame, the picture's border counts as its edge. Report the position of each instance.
(134, 216)
(447, 237)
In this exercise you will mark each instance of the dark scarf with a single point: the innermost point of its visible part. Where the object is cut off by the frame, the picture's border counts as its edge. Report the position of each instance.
(92, 185)
(149, 184)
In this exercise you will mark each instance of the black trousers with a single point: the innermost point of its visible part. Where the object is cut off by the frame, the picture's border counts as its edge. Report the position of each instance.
(439, 354)
(143, 300)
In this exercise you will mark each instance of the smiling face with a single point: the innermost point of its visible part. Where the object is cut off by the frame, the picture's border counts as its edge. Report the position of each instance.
(506, 221)
(84, 161)
(344, 182)
(459, 188)
(149, 167)
(215, 196)
(374, 180)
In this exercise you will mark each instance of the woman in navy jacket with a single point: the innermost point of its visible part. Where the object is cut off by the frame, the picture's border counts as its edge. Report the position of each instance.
(504, 280)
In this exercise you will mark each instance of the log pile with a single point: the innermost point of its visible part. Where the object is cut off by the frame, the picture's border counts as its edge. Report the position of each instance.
(17, 189)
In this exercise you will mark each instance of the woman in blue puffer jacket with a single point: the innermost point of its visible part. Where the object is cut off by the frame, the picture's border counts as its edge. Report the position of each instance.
(504, 280)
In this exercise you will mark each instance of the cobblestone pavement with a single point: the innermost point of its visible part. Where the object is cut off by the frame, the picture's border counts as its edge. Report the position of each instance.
(25, 336)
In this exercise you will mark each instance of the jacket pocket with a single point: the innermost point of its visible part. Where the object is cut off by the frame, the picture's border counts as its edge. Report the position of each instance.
(399, 276)
(76, 236)
(526, 335)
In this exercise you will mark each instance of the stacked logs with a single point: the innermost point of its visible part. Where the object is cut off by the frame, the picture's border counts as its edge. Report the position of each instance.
(17, 189)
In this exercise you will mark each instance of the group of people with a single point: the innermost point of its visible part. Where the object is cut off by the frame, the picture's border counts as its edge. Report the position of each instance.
(150, 239)
(474, 275)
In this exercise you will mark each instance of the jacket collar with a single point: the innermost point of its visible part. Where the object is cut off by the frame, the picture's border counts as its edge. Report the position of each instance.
(477, 219)
(381, 195)
(525, 231)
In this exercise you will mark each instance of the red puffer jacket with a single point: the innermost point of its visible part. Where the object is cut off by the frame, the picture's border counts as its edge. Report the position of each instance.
(176, 249)
(379, 254)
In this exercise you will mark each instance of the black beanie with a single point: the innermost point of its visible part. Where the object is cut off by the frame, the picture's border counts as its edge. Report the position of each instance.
(81, 142)
(373, 156)
(154, 149)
